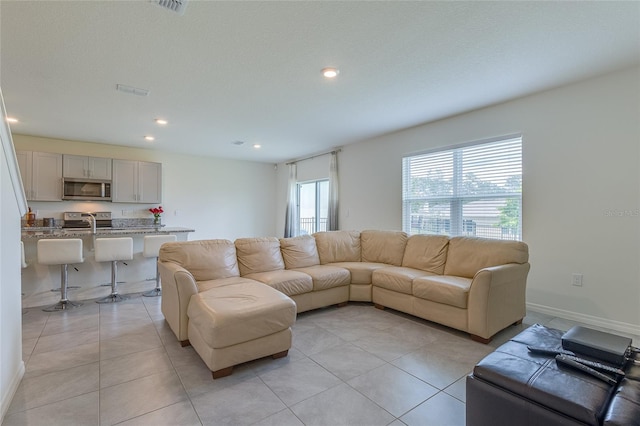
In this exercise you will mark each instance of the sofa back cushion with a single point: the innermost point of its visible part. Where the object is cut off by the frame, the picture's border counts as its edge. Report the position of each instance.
(467, 255)
(205, 259)
(383, 246)
(299, 252)
(258, 255)
(338, 246)
(426, 252)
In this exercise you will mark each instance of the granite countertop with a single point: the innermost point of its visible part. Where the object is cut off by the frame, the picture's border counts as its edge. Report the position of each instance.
(41, 232)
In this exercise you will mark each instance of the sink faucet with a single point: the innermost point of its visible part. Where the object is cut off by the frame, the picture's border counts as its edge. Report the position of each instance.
(92, 221)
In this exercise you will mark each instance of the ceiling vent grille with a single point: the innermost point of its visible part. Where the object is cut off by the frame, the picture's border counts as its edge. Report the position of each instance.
(177, 6)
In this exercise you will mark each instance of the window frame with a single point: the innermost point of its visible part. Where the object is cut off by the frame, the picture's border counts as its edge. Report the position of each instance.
(451, 160)
(318, 224)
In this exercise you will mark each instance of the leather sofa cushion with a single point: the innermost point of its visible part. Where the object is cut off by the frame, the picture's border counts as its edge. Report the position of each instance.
(397, 278)
(238, 313)
(258, 255)
(205, 259)
(209, 284)
(325, 276)
(338, 246)
(466, 255)
(624, 409)
(426, 252)
(453, 291)
(286, 281)
(299, 252)
(383, 246)
(361, 272)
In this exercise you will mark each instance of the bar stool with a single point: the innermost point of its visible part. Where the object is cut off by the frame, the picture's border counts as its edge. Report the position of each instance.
(23, 260)
(152, 244)
(61, 252)
(23, 264)
(112, 250)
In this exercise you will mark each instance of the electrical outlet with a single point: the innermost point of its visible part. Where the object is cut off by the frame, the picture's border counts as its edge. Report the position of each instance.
(576, 279)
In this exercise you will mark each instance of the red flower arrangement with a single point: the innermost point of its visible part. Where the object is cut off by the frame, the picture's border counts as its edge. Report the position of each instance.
(157, 211)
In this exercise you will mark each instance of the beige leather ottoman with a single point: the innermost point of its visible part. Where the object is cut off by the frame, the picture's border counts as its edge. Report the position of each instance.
(237, 323)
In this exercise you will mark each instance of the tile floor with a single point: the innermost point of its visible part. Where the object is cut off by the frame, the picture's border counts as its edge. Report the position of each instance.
(356, 365)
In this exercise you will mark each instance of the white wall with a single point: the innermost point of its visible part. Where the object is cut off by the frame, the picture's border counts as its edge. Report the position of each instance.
(11, 204)
(218, 198)
(581, 162)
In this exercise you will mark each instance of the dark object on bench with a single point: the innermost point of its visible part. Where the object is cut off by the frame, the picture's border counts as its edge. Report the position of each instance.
(598, 344)
(514, 386)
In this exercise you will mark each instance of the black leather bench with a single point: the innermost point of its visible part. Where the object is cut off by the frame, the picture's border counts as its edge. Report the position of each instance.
(512, 386)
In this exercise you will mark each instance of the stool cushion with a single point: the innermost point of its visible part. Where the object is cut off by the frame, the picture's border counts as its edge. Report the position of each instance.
(110, 249)
(60, 252)
(237, 313)
(152, 244)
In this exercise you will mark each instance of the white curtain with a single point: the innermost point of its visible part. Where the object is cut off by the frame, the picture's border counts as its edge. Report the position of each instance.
(332, 216)
(291, 219)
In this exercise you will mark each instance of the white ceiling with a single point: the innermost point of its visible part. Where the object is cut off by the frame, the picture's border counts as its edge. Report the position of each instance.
(250, 71)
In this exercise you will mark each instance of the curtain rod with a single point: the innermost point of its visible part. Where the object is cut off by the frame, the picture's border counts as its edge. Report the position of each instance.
(314, 156)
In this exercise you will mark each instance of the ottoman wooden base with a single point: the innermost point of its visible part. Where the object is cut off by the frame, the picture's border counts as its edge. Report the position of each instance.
(227, 371)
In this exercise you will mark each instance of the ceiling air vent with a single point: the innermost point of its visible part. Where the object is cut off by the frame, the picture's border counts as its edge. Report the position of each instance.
(177, 6)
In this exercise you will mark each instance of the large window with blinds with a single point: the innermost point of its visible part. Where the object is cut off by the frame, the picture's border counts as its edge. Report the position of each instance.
(469, 190)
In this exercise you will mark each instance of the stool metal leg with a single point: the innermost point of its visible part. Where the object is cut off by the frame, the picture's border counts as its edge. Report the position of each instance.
(114, 296)
(64, 303)
(158, 290)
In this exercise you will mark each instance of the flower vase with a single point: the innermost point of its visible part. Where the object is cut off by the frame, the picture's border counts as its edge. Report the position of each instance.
(156, 220)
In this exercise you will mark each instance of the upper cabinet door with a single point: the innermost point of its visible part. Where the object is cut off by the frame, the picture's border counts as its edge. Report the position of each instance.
(41, 175)
(80, 166)
(47, 176)
(25, 161)
(149, 182)
(74, 166)
(124, 187)
(100, 168)
(136, 182)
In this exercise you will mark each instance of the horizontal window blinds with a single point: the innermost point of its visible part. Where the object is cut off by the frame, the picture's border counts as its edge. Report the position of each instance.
(471, 190)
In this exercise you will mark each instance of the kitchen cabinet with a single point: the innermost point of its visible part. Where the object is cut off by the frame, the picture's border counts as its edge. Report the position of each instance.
(136, 182)
(80, 166)
(41, 175)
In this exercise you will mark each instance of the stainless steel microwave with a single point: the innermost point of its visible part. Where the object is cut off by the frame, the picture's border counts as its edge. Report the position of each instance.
(86, 189)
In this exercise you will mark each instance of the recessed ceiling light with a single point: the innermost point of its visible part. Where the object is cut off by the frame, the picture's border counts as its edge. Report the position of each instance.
(257, 145)
(149, 138)
(161, 122)
(12, 120)
(330, 72)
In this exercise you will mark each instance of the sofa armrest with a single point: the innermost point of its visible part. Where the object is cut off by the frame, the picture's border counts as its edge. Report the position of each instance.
(178, 285)
(497, 298)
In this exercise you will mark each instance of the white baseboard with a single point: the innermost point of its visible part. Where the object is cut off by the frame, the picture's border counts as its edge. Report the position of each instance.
(11, 390)
(622, 327)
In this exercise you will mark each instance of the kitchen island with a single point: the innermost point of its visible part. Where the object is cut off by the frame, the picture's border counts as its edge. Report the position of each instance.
(136, 275)
(42, 232)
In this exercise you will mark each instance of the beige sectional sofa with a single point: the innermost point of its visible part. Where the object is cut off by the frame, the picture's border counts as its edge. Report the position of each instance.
(470, 284)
